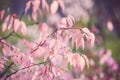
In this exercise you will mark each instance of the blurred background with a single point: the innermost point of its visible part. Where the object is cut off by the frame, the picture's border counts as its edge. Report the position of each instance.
(102, 17)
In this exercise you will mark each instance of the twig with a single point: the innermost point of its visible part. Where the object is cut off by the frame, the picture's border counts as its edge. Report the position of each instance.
(17, 35)
(23, 69)
(21, 15)
(6, 69)
(7, 36)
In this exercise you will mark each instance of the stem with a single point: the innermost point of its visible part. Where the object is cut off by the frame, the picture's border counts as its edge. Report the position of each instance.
(21, 15)
(6, 69)
(23, 69)
(7, 36)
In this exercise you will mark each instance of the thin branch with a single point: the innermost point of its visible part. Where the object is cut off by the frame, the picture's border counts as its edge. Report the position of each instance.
(5, 37)
(21, 15)
(24, 69)
(17, 35)
(71, 28)
(8, 67)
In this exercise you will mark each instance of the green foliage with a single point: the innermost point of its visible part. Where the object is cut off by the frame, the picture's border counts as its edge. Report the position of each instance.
(114, 45)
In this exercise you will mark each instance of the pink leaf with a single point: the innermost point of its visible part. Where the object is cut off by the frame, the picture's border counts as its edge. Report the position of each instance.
(7, 18)
(28, 4)
(2, 14)
(57, 60)
(45, 5)
(63, 21)
(86, 60)
(29, 18)
(16, 24)
(4, 51)
(70, 21)
(23, 27)
(77, 38)
(34, 15)
(4, 26)
(34, 76)
(43, 27)
(89, 36)
(86, 30)
(74, 34)
(82, 43)
(82, 63)
(78, 41)
(36, 4)
(77, 61)
(92, 37)
(54, 7)
(52, 43)
(9, 25)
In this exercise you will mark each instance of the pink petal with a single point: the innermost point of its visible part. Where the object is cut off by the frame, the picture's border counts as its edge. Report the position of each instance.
(4, 26)
(43, 27)
(63, 21)
(29, 18)
(23, 28)
(70, 21)
(78, 40)
(86, 59)
(9, 25)
(92, 37)
(86, 30)
(82, 63)
(4, 51)
(77, 61)
(57, 60)
(35, 75)
(45, 5)
(82, 43)
(52, 43)
(54, 7)
(2, 14)
(34, 15)
(16, 24)
(28, 4)
(7, 18)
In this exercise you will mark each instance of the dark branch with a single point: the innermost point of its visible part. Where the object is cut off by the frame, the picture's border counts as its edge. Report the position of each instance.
(7, 36)
(21, 15)
(8, 67)
(24, 69)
